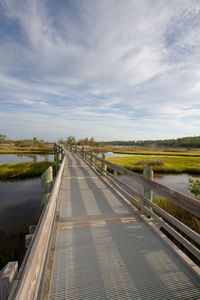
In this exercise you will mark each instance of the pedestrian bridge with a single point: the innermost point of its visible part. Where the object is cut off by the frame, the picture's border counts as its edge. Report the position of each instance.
(93, 243)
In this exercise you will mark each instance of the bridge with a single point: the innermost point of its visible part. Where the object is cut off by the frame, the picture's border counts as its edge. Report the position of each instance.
(99, 238)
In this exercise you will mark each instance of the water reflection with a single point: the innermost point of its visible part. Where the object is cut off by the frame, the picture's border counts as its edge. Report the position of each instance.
(19, 158)
(19, 208)
(178, 182)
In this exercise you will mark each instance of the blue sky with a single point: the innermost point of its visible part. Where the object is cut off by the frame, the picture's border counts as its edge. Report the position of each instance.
(111, 69)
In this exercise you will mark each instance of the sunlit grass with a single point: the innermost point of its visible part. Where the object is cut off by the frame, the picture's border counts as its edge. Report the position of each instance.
(179, 213)
(23, 170)
(158, 152)
(189, 165)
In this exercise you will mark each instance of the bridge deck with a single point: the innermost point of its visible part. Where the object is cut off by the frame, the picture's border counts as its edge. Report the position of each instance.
(104, 250)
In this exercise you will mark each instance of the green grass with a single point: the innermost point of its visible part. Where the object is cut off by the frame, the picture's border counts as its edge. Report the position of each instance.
(26, 152)
(179, 213)
(23, 170)
(190, 165)
(160, 152)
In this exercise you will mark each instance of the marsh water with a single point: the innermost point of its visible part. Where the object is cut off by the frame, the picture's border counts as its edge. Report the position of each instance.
(178, 182)
(19, 208)
(19, 158)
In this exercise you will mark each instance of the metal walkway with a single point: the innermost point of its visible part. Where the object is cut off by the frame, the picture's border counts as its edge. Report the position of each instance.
(104, 250)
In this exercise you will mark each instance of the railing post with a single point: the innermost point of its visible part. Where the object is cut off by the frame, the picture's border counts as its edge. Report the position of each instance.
(62, 153)
(115, 172)
(104, 166)
(148, 173)
(7, 277)
(83, 152)
(46, 185)
(91, 158)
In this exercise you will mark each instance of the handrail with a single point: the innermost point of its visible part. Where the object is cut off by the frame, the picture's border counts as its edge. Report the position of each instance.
(186, 202)
(29, 280)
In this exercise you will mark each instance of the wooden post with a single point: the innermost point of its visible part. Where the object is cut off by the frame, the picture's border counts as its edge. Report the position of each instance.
(148, 173)
(115, 172)
(62, 153)
(83, 152)
(7, 277)
(46, 185)
(104, 166)
(28, 238)
(91, 158)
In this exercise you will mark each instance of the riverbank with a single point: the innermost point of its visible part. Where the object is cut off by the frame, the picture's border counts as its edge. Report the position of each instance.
(177, 165)
(26, 152)
(12, 149)
(23, 170)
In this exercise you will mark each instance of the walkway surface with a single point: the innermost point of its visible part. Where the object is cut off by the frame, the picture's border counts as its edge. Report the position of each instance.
(104, 250)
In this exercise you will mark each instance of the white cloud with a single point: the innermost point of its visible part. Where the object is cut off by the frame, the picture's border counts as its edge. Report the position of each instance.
(100, 61)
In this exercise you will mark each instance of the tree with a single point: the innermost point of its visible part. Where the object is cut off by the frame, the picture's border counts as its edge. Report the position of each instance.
(2, 138)
(71, 140)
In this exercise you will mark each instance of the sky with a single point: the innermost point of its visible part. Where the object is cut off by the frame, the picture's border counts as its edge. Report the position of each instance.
(111, 69)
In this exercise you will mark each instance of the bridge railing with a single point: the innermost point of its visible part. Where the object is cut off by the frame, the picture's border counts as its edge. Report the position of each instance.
(182, 233)
(29, 276)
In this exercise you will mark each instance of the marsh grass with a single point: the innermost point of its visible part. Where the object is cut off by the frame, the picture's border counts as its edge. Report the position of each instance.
(183, 216)
(179, 213)
(26, 151)
(23, 170)
(190, 165)
(158, 152)
(150, 162)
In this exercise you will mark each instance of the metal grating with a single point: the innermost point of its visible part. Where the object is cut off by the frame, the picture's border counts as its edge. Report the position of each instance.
(118, 262)
(113, 261)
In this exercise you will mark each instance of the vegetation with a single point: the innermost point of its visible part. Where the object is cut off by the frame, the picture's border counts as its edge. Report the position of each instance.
(71, 140)
(13, 151)
(33, 146)
(23, 170)
(179, 213)
(160, 152)
(185, 142)
(194, 187)
(151, 162)
(189, 165)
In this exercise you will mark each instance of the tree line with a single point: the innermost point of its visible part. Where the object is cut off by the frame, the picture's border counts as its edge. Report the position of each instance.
(185, 142)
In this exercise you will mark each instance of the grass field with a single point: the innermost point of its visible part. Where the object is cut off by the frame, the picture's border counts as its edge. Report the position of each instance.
(23, 170)
(174, 164)
(195, 153)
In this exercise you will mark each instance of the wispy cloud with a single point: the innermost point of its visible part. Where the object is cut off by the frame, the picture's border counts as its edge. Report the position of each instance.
(104, 68)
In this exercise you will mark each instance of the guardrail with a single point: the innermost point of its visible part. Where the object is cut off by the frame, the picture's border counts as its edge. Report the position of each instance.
(182, 233)
(28, 279)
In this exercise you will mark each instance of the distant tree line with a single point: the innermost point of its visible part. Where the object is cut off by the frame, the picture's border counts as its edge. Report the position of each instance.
(23, 142)
(71, 140)
(185, 142)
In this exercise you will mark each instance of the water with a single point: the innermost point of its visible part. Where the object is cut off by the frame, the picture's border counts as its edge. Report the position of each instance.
(19, 158)
(19, 208)
(177, 182)
(111, 154)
